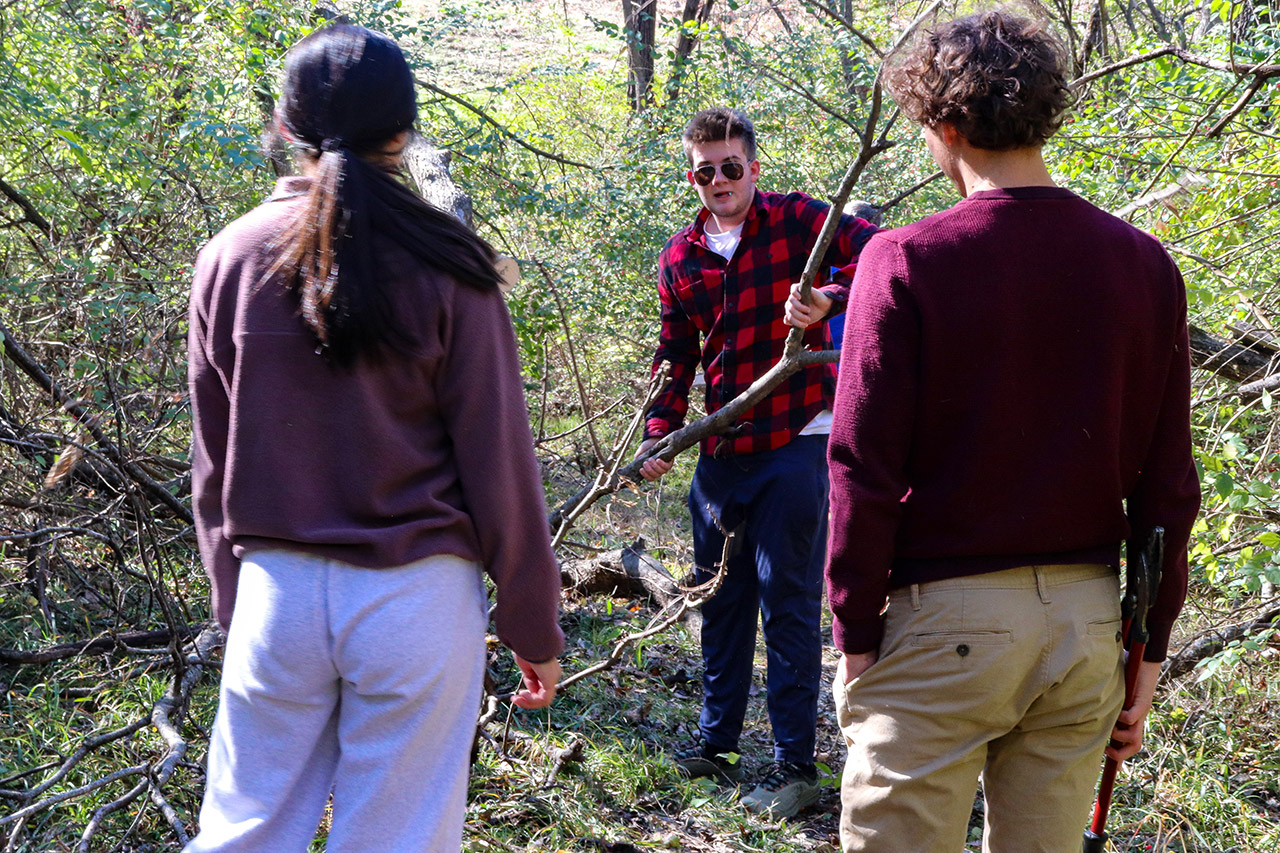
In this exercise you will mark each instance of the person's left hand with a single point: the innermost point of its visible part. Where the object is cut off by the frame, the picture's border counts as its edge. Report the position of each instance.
(540, 681)
(796, 313)
(1126, 737)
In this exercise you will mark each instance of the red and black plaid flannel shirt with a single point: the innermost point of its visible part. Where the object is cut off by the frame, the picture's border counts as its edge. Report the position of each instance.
(735, 308)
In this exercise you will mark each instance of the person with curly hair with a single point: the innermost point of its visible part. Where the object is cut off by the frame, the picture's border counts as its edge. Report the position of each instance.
(1013, 403)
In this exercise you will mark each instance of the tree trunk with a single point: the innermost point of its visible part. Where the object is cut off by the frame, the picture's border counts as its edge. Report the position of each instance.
(428, 167)
(640, 22)
(845, 8)
(696, 12)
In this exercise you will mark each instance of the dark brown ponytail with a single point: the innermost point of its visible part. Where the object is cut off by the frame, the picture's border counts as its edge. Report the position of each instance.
(348, 92)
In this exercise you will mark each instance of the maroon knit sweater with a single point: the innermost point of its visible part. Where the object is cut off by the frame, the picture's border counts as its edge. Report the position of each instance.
(1014, 390)
(378, 465)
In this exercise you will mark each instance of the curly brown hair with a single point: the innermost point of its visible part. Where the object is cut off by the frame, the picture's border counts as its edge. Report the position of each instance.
(998, 78)
(719, 124)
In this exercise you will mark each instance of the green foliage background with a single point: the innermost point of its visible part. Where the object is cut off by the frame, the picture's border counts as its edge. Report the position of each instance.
(131, 131)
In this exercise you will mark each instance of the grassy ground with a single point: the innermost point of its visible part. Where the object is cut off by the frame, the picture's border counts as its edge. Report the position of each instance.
(1206, 784)
(624, 794)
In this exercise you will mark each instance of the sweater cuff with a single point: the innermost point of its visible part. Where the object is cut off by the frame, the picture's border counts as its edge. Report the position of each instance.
(859, 636)
(655, 428)
(839, 297)
(1158, 641)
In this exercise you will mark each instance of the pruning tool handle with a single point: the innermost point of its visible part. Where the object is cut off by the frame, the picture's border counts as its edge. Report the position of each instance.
(1094, 843)
(1142, 581)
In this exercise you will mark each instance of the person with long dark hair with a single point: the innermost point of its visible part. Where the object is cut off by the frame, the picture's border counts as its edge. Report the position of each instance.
(361, 455)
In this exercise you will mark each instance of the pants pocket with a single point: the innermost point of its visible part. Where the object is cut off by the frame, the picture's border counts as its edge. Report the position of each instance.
(840, 693)
(964, 641)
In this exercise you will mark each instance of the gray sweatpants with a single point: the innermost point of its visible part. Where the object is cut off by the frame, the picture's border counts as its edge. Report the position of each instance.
(363, 682)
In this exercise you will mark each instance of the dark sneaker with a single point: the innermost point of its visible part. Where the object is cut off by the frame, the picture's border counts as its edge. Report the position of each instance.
(785, 788)
(702, 759)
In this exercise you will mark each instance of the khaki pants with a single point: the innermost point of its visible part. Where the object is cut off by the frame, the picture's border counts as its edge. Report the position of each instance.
(1016, 676)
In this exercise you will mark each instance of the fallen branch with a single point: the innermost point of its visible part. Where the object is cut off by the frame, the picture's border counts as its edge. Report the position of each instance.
(96, 646)
(665, 618)
(628, 571)
(88, 745)
(1228, 360)
(166, 717)
(1255, 389)
(1216, 640)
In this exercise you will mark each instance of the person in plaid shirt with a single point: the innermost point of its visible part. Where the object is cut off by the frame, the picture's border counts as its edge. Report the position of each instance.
(728, 302)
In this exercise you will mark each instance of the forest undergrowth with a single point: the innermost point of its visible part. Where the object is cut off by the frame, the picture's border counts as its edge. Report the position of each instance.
(131, 131)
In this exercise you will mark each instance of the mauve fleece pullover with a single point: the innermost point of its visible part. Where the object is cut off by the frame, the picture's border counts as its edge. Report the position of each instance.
(1014, 390)
(378, 465)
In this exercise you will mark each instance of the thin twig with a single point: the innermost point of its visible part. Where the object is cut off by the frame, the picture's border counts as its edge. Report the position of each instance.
(607, 479)
(910, 191)
(503, 128)
(597, 416)
(573, 363)
(88, 745)
(848, 25)
(1266, 70)
(19, 356)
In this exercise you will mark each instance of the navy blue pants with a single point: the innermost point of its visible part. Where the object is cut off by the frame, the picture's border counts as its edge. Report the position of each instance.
(775, 502)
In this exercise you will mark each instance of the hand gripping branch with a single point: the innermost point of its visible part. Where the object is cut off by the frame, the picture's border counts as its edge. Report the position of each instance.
(1142, 581)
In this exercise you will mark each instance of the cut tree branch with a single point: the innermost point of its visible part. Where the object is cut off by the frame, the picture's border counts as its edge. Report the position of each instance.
(1225, 359)
(794, 356)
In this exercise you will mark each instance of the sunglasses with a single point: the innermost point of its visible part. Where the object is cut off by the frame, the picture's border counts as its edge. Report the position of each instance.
(732, 171)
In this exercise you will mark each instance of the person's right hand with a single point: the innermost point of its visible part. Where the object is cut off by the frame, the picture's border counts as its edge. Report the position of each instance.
(850, 665)
(1126, 737)
(653, 468)
(540, 681)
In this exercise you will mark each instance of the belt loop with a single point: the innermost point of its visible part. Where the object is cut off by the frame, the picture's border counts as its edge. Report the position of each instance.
(915, 596)
(1042, 584)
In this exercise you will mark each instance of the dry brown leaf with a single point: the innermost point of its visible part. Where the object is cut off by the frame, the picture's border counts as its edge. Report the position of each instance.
(62, 467)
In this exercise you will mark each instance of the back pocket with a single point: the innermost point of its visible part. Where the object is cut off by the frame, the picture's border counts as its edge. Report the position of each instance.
(942, 639)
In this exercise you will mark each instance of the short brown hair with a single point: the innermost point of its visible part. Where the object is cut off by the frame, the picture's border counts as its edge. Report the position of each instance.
(998, 78)
(719, 124)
